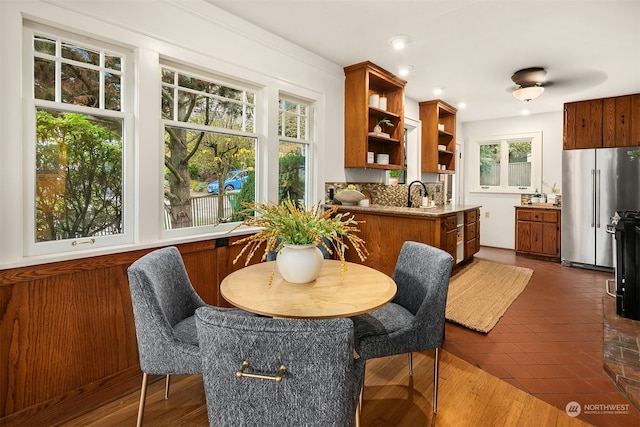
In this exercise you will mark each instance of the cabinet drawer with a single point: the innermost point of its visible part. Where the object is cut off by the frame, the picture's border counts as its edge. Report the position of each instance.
(470, 231)
(537, 215)
(450, 222)
(471, 216)
(523, 214)
(550, 216)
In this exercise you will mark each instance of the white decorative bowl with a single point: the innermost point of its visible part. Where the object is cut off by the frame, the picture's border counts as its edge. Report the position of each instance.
(349, 197)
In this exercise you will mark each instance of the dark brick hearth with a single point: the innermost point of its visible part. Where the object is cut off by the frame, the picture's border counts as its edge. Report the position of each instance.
(622, 351)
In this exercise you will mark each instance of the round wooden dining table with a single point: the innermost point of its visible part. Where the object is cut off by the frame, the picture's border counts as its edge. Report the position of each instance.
(358, 290)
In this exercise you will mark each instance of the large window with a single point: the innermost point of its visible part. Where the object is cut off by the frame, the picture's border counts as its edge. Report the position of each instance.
(507, 163)
(80, 126)
(295, 147)
(210, 149)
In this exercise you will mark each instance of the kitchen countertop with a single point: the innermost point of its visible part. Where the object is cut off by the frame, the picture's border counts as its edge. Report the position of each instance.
(552, 207)
(437, 211)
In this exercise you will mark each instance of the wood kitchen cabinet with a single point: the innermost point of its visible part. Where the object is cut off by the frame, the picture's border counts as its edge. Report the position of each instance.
(386, 228)
(471, 232)
(621, 121)
(583, 124)
(449, 235)
(438, 136)
(538, 232)
(361, 81)
(602, 123)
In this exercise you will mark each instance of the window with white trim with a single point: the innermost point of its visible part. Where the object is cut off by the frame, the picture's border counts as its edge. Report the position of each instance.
(210, 148)
(294, 123)
(80, 127)
(507, 163)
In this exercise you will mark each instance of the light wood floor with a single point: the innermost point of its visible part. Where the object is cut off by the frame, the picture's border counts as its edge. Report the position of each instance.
(468, 396)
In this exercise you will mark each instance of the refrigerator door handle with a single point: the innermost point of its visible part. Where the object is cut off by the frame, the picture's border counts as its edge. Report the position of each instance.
(593, 197)
(598, 198)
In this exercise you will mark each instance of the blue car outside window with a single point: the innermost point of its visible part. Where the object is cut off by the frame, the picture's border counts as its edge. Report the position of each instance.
(234, 181)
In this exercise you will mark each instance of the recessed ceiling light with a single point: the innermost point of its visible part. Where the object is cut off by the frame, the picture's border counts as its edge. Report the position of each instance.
(399, 42)
(462, 105)
(404, 70)
(437, 91)
(525, 112)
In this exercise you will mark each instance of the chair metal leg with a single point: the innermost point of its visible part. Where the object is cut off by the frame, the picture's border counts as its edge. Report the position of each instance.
(410, 364)
(436, 365)
(166, 387)
(358, 409)
(360, 398)
(143, 398)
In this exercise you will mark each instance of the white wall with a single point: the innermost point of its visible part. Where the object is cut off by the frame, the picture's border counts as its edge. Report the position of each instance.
(188, 31)
(497, 215)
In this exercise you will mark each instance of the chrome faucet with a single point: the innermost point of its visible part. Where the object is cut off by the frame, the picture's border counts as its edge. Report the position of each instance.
(409, 191)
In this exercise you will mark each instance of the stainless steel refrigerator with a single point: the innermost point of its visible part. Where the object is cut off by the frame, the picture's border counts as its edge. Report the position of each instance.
(596, 183)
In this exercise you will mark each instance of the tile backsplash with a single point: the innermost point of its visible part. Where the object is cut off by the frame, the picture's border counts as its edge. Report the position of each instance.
(525, 199)
(388, 195)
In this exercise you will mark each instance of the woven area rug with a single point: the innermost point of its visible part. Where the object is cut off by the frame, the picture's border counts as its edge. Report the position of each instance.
(481, 292)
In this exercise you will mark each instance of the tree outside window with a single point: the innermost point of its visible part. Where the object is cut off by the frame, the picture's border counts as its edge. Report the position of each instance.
(79, 142)
(293, 129)
(209, 136)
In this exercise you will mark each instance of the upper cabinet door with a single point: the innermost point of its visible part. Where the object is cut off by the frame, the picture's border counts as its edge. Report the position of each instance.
(622, 121)
(583, 124)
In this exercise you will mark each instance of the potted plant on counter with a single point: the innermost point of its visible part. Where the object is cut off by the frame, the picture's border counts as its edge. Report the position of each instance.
(295, 232)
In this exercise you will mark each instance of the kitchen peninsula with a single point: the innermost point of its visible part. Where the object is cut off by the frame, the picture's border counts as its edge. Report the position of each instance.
(453, 228)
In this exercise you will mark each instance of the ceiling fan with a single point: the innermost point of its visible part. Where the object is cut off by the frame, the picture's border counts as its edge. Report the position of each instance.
(531, 82)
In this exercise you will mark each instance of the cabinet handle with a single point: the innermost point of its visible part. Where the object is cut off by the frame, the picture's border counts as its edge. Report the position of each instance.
(622, 118)
(582, 122)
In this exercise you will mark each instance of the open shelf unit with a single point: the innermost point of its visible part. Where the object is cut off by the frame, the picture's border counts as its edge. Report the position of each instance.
(438, 136)
(361, 81)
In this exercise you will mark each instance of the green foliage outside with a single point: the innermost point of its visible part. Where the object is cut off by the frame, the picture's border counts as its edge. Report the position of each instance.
(79, 176)
(247, 194)
(291, 175)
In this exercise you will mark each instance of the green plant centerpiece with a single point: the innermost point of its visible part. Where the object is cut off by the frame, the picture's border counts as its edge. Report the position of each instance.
(291, 224)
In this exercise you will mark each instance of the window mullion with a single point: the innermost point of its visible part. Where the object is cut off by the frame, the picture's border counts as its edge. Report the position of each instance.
(504, 164)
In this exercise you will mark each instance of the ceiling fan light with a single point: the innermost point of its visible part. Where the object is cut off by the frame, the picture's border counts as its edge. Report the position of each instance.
(528, 93)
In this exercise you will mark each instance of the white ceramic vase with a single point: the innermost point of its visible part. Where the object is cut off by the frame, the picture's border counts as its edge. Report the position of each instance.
(299, 263)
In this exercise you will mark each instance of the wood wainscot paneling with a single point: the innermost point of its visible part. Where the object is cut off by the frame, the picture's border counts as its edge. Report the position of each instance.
(67, 333)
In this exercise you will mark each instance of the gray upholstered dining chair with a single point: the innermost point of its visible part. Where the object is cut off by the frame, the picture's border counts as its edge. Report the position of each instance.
(164, 303)
(265, 372)
(414, 319)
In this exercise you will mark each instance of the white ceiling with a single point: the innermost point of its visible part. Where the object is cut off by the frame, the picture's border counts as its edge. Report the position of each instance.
(591, 49)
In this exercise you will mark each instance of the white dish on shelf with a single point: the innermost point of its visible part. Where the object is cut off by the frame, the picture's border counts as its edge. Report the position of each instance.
(442, 147)
(380, 134)
(382, 159)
